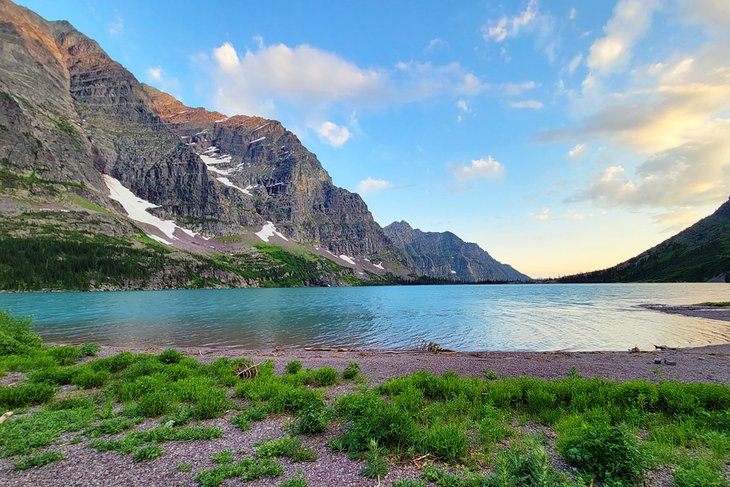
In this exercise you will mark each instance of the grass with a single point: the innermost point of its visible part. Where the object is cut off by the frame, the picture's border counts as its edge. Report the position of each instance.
(469, 428)
(39, 460)
(716, 303)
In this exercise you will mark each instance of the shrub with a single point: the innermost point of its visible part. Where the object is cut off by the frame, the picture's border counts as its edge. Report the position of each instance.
(603, 451)
(25, 394)
(89, 349)
(444, 441)
(154, 404)
(57, 376)
(88, 379)
(16, 337)
(325, 376)
(351, 371)
(293, 367)
(170, 356)
(64, 354)
(312, 419)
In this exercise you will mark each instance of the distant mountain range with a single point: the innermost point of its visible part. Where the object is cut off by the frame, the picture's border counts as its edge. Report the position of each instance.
(699, 253)
(106, 183)
(439, 254)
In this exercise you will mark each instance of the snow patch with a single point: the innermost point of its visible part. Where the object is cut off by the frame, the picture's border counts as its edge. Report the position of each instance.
(260, 127)
(228, 183)
(268, 231)
(379, 266)
(136, 209)
(453, 272)
(221, 120)
(347, 259)
(159, 239)
(257, 140)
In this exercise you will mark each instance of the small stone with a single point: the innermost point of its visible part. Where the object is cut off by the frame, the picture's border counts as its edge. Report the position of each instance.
(670, 362)
(658, 360)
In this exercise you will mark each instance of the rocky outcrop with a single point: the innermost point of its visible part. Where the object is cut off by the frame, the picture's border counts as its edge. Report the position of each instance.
(285, 182)
(446, 256)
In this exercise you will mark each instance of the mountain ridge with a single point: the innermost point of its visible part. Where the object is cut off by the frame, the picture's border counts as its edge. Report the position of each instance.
(699, 253)
(445, 255)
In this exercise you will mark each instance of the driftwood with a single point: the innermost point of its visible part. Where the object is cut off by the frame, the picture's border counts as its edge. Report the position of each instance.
(5, 417)
(247, 369)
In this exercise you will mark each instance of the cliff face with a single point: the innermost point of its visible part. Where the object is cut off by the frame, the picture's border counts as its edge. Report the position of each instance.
(699, 253)
(286, 183)
(444, 255)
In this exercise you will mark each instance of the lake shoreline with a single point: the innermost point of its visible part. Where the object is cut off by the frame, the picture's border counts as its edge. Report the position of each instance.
(721, 313)
(698, 364)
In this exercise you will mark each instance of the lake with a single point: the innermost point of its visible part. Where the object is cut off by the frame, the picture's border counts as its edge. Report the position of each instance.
(472, 317)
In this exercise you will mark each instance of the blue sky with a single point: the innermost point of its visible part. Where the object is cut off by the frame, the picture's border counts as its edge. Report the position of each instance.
(561, 136)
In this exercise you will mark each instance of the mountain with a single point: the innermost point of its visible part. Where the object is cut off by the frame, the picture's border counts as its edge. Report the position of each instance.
(698, 254)
(106, 183)
(444, 255)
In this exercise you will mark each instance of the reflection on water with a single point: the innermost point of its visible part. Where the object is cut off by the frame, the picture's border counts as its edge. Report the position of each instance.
(497, 317)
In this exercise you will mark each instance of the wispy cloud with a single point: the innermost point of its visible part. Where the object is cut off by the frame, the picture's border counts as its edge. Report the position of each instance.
(157, 77)
(543, 215)
(505, 26)
(116, 26)
(527, 105)
(578, 151)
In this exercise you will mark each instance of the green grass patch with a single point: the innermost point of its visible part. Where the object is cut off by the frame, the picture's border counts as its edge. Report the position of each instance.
(39, 460)
(286, 446)
(246, 470)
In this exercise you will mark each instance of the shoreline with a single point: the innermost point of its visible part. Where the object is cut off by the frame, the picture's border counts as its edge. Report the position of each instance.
(721, 313)
(698, 364)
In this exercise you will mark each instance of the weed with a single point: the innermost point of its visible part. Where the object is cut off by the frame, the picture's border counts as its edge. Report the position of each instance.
(490, 374)
(408, 483)
(243, 420)
(223, 457)
(287, 446)
(604, 451)
(325, 376)
(247, 469)
(88, 349)
(312, 420)
(170, 356)
(21, 436)
(38, 460)
(148, 452)
(184, 467)
(87, 378)
(293, 367)
(699, 473)
(352, 371)
(297, 481)
(16, 337)
(376, 465)
(444, 441)
(25, 394)
(112, 426)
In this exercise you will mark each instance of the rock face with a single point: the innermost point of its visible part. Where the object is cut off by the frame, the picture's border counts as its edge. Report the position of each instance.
(444, 255)
(286, 183)
(698, 254)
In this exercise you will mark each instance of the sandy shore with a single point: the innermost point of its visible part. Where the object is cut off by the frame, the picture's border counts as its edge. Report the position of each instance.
(703, 364)
(721, 313)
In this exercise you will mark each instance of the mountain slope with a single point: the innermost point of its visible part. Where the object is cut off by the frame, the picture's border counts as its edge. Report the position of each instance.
(444, 255)
(699, 253)
(86, 165)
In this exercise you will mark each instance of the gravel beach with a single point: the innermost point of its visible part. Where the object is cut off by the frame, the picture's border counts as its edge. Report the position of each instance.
(84, 466)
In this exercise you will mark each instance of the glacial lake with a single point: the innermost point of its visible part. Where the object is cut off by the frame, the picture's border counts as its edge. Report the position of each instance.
(469, 318)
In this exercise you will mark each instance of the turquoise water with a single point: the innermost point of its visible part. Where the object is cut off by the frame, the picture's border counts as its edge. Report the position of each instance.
(494, 317)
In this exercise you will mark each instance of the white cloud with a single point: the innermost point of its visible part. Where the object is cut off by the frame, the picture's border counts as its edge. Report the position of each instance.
(527, 104)
(116, 26)
(693, 174)
(371, 185)
(333, 134)
(631, 20)
(311, 80)
(155, 73)
(507, 27)
(488, 168)
(462, 105)
(577, 152)
(544, 215)
(572, 14)
(712, 15)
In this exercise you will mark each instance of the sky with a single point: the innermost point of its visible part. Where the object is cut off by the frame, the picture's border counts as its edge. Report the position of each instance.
(561, 136)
